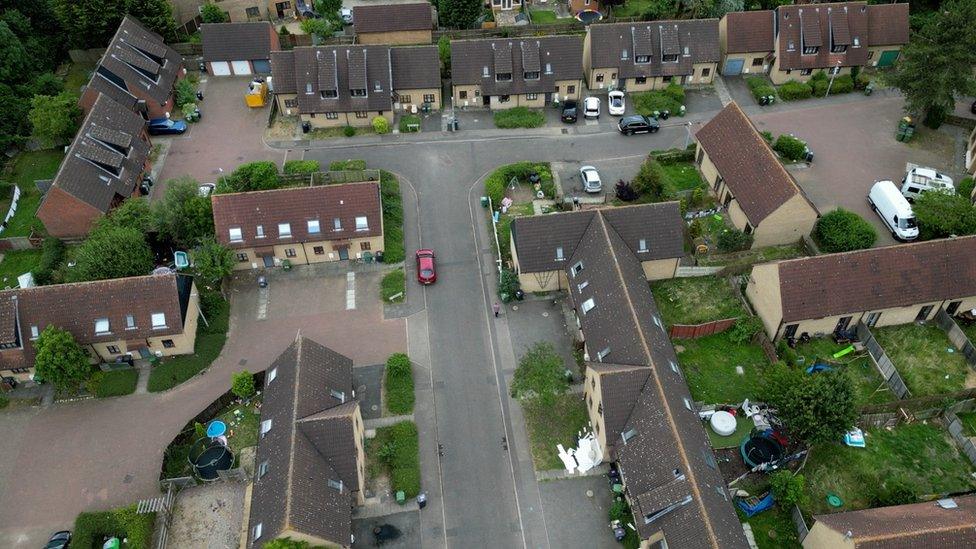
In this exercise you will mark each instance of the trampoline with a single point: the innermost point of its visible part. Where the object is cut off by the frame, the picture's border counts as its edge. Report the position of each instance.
(588, 16)
(208, 457)
(758, 448)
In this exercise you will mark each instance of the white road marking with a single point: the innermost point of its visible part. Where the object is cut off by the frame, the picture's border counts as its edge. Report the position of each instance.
(350, 290)
(263, 296)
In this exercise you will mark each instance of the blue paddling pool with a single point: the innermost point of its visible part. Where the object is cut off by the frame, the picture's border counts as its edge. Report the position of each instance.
(216, 428)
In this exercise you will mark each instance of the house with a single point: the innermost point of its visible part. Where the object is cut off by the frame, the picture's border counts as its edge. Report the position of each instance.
(138, 317)
(542, 244)
(505, 5)
(746, 38)
(649, 55)
(335, 86)
(516, 72)
(880, 287)
(949, 522)
(836, 37)
(416, 78)
(188, 18)
(302, 225)
(638, 403)
(393, 23)
(309, 465)
(103, 166)
(138, 70)
(239, 48)
(748, 180)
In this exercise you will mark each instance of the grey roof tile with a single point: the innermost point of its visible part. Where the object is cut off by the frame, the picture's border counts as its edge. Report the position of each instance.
(237, 41)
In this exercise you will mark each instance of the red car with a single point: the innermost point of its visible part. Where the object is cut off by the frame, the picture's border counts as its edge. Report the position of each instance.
(426, 274)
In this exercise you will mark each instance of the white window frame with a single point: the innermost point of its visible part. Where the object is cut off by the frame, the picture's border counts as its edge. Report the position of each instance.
(130, 322)
(260, 231)
(235, 234)
(35, 333)
(642, 246)
(313, 226)
(577, 268)
(337, 224)
(265, 427)
(587, 305)
(272, 375)
(158, 321)
(559, 254)
(257, 531)
(581, 285)
(362, 223)
(106, 326)
(284, 230)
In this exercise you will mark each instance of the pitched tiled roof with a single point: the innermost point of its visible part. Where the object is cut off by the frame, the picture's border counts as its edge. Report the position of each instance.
(887, 24)
(415, 67)
(915, 525)
(618, 45)
(307, 448)
(814, 25)
(297, 206)
(625, 383)
(314, 72)
(749, 31)
(538, 237)
(141, 59)
(76, 307)
(879, 278)
(392, 17)
(106, 158)
(236, 41)
(748, 165)
(558, 57)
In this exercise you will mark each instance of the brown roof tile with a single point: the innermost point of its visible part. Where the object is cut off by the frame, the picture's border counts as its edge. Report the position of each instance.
(810, 25)
(415, 67)
(560, 58)
(915, 525)
(237, 41)
(887, 24)
(309, 71)
(617, 46)
(749, 31)
(392, 17)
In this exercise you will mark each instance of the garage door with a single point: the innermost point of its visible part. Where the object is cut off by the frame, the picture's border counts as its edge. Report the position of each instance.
(220, 68)
(733, 67)
(262, 66)
(241, 67)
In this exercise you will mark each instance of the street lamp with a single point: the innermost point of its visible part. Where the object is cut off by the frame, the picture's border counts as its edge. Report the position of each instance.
(833, 73)
(687, 134)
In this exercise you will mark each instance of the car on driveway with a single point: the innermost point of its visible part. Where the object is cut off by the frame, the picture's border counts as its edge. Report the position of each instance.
(426, 272)
(590, 179)
(637, 123)
(616, 104)
(346, 15)
(166, 126)
(591, 107)
(59, 540)
(570, 112)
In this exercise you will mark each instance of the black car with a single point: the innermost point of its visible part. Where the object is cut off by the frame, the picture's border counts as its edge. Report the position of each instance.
(59, 540)
(636, 123)
(570, 112)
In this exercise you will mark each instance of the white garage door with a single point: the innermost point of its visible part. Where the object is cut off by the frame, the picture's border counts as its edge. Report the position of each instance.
(241, 67)
(220, 68)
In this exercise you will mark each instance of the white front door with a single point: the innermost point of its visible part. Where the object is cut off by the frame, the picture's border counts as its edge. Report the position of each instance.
(220, 68)
(506, 4)
(241, 67)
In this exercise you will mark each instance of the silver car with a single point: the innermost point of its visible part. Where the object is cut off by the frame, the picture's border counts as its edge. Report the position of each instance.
(591, 179)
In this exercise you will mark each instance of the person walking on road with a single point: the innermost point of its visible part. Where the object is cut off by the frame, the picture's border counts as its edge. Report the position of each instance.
(496, 307)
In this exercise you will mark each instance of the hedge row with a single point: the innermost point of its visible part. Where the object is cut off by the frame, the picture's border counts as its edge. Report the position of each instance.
(393, 251)
(399, 384)
(91, 528)
(302, 166)
(399, 451)
(760, 87)
(349, 165)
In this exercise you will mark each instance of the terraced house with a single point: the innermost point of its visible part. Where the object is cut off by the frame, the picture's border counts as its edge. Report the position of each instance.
(747, 41)
(649, 55)
(301, 225)
(335, 86)
(137, 316)
(516, 72)
(393, 23)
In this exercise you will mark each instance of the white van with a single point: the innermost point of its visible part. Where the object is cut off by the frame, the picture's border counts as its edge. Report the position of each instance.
(919, 180)
(894, 210)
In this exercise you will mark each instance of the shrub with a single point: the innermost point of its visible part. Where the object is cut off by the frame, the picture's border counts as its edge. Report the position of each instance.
(302, 166)
(843, 231)
(697, 197)
(252, 176)
(393, 251)
(91, 528)
(734, 240)
(744, 329)
(519, 117)
(819, 76)
(793, 91)
(184, 92)
(647, 103)
(965, 188)
(756, 82)
(788, 488)
(188, 109)
(652, 182)
(768, 136)
(4, 402)
(242, 384)
(764, 91)
(400, 452)
(381, 125)
(348, 131)
(619, 510)
(352, 165)
(760, 87)
(508, 284)
(495, 189)
(790, 147)
(940, 215)
(842, 84)
(625, 191)
(675, 92)
(409, 123)
(861, 81)
(695, 229)
(399, 384)
(52, 254)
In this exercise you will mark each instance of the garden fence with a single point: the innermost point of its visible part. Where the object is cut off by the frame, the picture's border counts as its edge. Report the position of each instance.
(685, 272)
(894, 418)
(918, 404)
(883, 362)
(767, 346)
(957, 336)
(799, 523)
(693, 331)
(572, 27)
(964, 442)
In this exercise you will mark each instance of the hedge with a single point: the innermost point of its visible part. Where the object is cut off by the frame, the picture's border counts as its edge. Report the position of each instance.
(843, 231)
(399, 384)
(350, 165)
(760, 87)
(793, 91)
(519, 117)
(91, 528)
(496, 183)
(302, 166)
(400, 452)
(393, 251)
(790, 147)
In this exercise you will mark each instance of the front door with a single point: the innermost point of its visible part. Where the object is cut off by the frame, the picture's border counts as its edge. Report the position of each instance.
(548, 98)
(486, 100)
(842, 324)
(269, 261)
(733, 67)
(343, 253)
(923, 313)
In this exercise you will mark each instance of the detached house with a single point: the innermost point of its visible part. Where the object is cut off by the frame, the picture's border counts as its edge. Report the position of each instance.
(880, 287)
(104, 165)
(302, 225)
(335, 86)
(239, 48)
(138, 316)
(310, 463)
(516, 72)
(743, 173)
(138, 70)
(649, 55)
(542, 244)
(747, 40)
(393, 23)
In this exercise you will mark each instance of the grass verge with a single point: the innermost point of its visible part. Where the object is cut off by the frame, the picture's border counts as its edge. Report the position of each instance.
(408, 120)
(398, 388)
(519, 117)
(210, 341)
(683, 176)
(870, 387)
(115, 382)
(925, 358)
(393, 284)
(695, 300)
(548, 427)
(123, 523)
(395, 451)
(393, 251)
(16, 263)
(26, 168)
(709, 364)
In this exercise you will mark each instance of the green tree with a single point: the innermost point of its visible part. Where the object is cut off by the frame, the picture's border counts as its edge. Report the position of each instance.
(928, 73)
(59, 359)
(89, 23)
(444, 50)
(15, 62)
(650, 181)
(134, 213)
(965, 187)
(843, 231)
(942, 214)
(253, 176)
(54, 118)
(788, 488)
(540, 375)
(734, 240)
(242, 384)
(183, 216)
(212, 262)
(185, 93)
(816, 408)
(459, 14)
(320, 29)
(112, 252)
(47, 84)
(211, 13)
(329, 9)
(790, 147)
(14, 124)
(660, 9)
(155, 15)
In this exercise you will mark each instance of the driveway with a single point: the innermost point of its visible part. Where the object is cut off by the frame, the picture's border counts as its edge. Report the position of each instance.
(229, 134)
(610, 172)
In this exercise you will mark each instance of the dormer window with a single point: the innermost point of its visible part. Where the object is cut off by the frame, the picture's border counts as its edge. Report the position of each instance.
(357, 93)
(362, 224)
(577, 269)
(641, 59)
(265, 427)
(548, 68)
(235, 234)
(588, 305)
(559, 254)
(531, 75)
(130, 322)
(503, 77)
(838, 49)
(651, 517)
(669, 58)
(329, 94)
(338, 395)
(484, 72)
(284, 230)
(101, 326)
(308, 88)
(313, 226)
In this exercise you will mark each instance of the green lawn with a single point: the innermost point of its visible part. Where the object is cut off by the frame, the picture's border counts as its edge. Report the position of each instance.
(27, 168)
(395, 451)
(772, 529)
(116, 382)
(918, 454)
(925, 358)
(393, 284)
(78, 75)
(407, 120)
(683, 176)
(16, 263)
(210, 340)
(870, 386)
(743, 426)
(242, 423)
(519, 117)
(548, 427)
(709, 364)
(505, 227)
(634, 8)
(694, 300)
(542, 17)
(968, 420)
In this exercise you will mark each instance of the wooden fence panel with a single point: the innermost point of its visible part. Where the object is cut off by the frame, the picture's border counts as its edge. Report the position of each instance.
(799, 523)
(693, 331)
(883, 362)
(958, 337)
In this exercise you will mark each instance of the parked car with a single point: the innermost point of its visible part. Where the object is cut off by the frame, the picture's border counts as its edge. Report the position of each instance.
(426, 272)
(972, 108)
(570, 112)
(616, 104)
(166, 126)
(637, 123)
(591, 179)
(262, 281)
(206, 189)
(894, 210)
(591, 107)
(919, 180)
(59, 540)
(346, 15)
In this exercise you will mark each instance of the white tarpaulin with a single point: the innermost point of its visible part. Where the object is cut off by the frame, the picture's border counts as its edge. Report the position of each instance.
(582, 458)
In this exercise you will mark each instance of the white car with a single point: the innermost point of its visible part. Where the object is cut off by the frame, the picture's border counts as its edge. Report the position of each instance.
(591, 179)
(206, 189)
(616, 104)
(591, 107)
